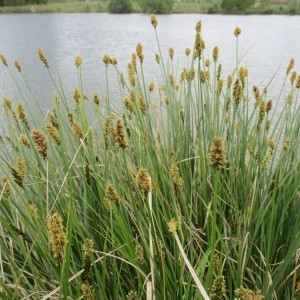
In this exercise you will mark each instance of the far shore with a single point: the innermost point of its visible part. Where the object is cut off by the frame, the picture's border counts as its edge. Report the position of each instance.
(178, 7)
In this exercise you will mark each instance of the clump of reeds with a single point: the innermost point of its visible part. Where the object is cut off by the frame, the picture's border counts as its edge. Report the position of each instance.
(218, 217)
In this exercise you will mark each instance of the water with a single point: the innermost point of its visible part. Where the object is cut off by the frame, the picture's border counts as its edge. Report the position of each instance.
(269, 42)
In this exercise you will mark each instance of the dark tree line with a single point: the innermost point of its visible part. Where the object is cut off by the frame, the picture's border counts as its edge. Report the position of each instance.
(21, 2)
(147, 6)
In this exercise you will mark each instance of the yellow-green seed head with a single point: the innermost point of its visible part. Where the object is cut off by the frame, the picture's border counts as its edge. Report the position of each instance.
(139, 254)
(111, 196)
(6, 186)
(218, 288)
(78, 61)
(237, 31)
(176, 176)
(247, 294)
(173, 225)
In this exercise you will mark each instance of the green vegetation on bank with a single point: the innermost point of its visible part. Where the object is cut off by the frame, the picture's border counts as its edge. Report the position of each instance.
(153, 6)
(188, 190)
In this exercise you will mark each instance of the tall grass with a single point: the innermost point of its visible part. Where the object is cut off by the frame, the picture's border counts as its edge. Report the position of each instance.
(190, 190)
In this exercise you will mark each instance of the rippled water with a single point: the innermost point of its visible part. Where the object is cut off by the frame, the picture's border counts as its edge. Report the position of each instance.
(268, 43)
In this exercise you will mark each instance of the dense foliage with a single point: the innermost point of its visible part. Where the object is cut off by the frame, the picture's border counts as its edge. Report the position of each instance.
(189, 190)
(236, 5)
(120, 6)
(156, 6)
(21, 2)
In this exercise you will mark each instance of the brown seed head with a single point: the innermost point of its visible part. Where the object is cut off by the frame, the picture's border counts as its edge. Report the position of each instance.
(217, 155)
(262, 111)
(215, 53)
(154, 21)
(41, 142)
(199, 26)
(237, 92)
(57, 237)
(293, 77)
(171, 53)
(87, 292)
(151, 87)
(22, 114)
(143, 182)
(53, 133)
(157, 58)
(111, 196)
(96, 98)
(106, 59)
(269, 106)
(3, 60)
(7, 104)
(77, 130)
(76, 95)
(290, 66)
(24, 140)
(42, 57)
(176, 176)
(139, 52)
(118, 133)
(298, 82)
(142, 105)
(187, 51)
(17, 65)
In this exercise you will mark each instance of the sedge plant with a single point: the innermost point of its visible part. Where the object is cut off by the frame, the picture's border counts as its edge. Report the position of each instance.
(188, 190)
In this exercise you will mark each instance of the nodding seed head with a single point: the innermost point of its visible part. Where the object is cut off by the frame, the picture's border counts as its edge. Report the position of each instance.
(42, 57)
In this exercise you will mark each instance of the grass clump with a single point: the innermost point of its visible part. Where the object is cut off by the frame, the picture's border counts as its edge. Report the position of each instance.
(189, 190)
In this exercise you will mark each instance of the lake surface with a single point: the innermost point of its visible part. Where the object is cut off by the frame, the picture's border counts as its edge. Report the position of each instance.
(268, 42)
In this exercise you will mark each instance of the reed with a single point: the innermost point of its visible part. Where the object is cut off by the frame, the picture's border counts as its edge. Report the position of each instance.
(189, 190)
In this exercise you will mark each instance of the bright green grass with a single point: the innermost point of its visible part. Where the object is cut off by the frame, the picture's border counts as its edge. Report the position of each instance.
(219, 215)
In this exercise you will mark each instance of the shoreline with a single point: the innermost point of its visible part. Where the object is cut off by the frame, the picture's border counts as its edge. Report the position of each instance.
(178, 8)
